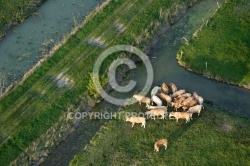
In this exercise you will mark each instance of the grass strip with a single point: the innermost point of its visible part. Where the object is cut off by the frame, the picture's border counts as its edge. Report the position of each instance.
(223, 44)
(213, 138)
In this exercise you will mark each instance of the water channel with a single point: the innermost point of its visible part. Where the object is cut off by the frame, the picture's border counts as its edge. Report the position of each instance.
(28, 42)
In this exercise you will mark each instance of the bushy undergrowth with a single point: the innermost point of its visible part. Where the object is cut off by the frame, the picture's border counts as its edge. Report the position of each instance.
(224, 43)
(13, 12)
(213, 138)
(91, 87)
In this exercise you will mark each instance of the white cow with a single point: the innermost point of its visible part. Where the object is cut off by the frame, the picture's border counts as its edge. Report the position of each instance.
(195, 109)
(157, 100)
(155, 90)
(198, 98)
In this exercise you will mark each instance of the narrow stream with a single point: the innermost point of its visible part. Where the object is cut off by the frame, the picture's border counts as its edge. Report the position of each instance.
(26, 44)
(166, 69)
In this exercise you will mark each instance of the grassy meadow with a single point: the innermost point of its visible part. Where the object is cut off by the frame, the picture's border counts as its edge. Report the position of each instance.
(13, 12)
(224, 43)
(31, 108)
(213, 138)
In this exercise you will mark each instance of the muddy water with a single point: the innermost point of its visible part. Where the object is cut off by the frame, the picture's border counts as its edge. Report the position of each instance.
(166, 69)
(26, 43)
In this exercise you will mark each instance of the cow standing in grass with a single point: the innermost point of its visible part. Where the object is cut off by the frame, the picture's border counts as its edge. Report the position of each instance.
(195, 109)
(159, 143)
(135, 119)
(156, 112)
(142, 99)
(180, 115)
(157, 107)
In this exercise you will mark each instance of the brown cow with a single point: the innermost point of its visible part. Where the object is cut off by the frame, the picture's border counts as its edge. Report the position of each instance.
(165, 97)
(161, 142)
(156, 107)
(187, 100)
(180, 115)
(190, 104)
(156, 112)
(164, 88)
(142, 99)
(173, 87)
(178, 93)
(135, 119)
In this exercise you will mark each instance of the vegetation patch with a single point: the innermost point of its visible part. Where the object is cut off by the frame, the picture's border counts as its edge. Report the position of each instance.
(14, 12)
(202, 141)
(39, 149)
(221, 49)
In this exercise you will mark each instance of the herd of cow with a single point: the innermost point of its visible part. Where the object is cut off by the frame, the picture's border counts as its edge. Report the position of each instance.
(164, 96)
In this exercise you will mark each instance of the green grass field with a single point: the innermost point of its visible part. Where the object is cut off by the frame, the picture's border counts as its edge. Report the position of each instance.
(224, 43)
(213, 138)
(13, 12)
(31, 108)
